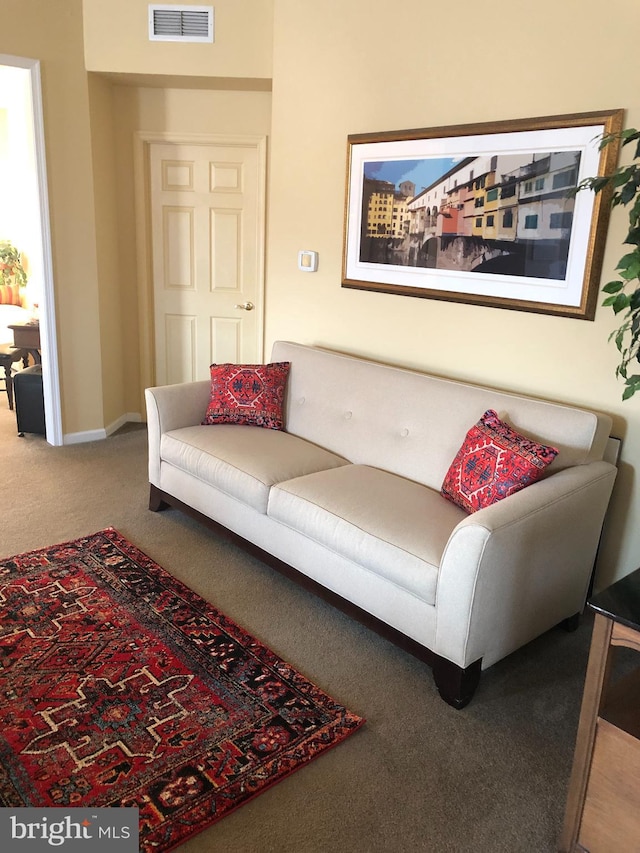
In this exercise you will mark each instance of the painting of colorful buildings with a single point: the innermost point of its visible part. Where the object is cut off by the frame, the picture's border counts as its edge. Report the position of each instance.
(507, 214)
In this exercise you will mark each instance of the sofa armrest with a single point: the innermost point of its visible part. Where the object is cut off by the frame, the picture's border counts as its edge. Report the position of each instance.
(172, 407)
(517, 568)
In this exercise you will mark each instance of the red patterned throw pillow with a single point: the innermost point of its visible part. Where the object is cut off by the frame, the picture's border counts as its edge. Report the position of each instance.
(249, 394)
(494, 461)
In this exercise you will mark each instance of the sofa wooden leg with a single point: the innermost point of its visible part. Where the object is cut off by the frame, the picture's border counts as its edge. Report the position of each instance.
(156, 501)
(456, 685)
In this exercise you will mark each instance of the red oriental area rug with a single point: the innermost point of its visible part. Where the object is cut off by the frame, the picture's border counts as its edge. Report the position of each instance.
(119, 686)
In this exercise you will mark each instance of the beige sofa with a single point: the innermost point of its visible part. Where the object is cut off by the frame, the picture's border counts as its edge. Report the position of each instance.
(348, 501)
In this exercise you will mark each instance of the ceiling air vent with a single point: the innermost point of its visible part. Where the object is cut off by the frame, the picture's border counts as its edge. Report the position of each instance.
(180, 23)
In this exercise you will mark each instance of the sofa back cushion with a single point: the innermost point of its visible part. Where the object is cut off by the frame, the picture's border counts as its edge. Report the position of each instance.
(413, 423)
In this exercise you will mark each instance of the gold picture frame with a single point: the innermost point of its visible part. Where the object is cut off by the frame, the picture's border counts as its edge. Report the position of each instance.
(485, 214)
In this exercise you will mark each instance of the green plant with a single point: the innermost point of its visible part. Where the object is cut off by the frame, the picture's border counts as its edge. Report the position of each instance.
(624, 292)
(11, 269)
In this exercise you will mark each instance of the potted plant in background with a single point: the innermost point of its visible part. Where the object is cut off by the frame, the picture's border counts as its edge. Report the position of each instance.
(12, 269)
(623, 293)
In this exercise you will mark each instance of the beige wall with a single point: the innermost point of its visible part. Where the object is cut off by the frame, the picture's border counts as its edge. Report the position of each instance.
(116, 40)
(52, 33)
(330, 80)
(112, 284)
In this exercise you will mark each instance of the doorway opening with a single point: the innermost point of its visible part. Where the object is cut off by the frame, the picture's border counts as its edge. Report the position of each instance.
(232, 210)
(24, 211)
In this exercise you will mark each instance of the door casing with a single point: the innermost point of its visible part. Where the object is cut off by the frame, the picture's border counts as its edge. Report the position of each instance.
(143, 142)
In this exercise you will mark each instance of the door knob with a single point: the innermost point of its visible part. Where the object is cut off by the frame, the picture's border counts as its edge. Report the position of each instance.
(246, 306)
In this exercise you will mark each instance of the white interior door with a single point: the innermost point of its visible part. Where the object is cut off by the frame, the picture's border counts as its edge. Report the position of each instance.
(207, 227)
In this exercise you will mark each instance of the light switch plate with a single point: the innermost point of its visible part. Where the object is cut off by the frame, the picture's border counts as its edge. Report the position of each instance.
(307, 261)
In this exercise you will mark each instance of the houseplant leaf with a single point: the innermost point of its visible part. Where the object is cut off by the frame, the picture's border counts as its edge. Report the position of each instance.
(624, 185)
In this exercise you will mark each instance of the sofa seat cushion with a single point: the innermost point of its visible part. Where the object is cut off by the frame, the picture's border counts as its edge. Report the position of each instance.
(243, 461)
(391, 526)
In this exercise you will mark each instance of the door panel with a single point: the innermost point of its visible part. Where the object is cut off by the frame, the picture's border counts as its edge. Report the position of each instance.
(226, 243)
(177, 235)
(227, 336)
(180, 351)
(207, 226)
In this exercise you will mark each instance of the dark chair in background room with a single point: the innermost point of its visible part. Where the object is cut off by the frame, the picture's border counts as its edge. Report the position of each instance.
(9, 355)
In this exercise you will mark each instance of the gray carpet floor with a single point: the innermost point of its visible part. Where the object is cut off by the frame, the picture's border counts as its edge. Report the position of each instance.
(419, 777)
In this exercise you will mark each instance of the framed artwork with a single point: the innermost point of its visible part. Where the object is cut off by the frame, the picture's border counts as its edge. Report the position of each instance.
(486, 214)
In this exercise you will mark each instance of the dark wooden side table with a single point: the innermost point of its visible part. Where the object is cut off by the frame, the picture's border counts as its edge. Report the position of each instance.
(27, 336)
(603, 804)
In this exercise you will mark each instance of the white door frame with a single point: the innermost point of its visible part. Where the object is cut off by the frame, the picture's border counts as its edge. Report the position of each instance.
(142, 143)
(47, 314)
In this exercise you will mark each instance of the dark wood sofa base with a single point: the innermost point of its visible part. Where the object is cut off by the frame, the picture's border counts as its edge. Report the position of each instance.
(455, 685)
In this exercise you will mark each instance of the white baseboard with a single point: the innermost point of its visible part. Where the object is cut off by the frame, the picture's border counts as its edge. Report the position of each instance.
(100, 434)
(127, 418)
(81, 437)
